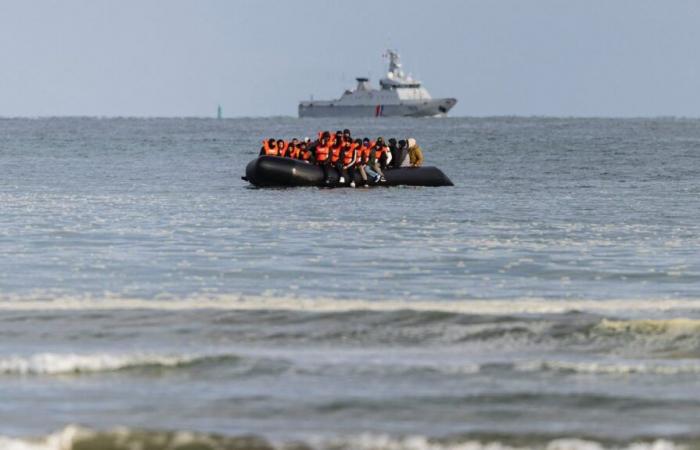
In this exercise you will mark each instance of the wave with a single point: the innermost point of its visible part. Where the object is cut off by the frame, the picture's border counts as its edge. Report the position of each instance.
(73, 363)
(235, 302)
(50, 364)
(608, 368)
(638, 328)
(80, 438)
(652, 327)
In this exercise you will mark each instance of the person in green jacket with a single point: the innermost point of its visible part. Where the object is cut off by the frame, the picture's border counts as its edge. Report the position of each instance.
(415, 154)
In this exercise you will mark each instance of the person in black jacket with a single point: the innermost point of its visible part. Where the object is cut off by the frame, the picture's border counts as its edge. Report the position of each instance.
(393, 148)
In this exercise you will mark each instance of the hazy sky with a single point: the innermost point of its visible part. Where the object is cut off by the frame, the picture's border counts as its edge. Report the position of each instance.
(182, 58)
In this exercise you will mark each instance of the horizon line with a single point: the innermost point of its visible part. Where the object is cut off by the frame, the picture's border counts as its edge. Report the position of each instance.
(382, 119)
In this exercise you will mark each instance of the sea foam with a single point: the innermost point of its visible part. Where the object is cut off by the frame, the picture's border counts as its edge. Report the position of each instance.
(65, 363)
(235, 302)
(75, 437)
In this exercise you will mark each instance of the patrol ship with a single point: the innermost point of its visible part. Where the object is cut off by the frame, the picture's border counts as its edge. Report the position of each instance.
(399, 96)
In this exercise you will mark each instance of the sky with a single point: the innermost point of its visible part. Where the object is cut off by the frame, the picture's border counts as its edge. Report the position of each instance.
(612, 58)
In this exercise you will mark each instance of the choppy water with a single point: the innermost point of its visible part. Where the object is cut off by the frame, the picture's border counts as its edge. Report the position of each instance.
(148, 296)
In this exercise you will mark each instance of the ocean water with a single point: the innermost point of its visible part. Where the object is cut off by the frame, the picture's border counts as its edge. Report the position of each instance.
(151, 299)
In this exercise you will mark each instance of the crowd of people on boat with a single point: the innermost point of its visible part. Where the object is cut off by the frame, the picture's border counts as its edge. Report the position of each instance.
(356, 161)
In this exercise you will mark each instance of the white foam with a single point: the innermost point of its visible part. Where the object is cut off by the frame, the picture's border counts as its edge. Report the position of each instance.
(383, 442)
(652, 327)
(610, 368)
(72, 435)
(65, 363)
(60, 440)
(236, 302)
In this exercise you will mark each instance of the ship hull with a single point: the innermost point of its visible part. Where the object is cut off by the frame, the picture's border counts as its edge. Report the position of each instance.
(429, 108)
(275, 171)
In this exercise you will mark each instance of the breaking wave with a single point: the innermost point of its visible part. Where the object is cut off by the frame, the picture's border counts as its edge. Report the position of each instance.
(652, 327)
(51, 364)
(622, 329)
(71, 363)
(609, 368)
(80, 438)
(233, 302)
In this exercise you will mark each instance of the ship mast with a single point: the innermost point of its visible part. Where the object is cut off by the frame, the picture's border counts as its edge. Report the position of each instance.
(394, 64)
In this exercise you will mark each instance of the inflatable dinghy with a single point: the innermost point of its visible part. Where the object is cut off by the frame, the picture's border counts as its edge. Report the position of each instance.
(275, 171)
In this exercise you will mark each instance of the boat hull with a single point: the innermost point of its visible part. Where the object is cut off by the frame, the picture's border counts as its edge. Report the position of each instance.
(275, 171)
(427, 108)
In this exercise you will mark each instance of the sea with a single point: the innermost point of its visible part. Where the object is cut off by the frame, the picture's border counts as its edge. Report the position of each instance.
(151, 299)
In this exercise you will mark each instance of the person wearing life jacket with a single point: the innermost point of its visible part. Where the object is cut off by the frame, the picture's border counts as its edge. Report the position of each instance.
(322, 156)
(379, 156)
(362, 167)
(269, 148)
(321, 135)
(282, 147)
(348, 159)
(383, 153)
(361, 159)
(305, 153)
(337, 138)
(293, 151)
(336, 149)
(318, 137)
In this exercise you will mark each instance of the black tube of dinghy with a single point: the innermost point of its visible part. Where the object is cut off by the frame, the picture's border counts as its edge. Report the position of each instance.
(274, 171)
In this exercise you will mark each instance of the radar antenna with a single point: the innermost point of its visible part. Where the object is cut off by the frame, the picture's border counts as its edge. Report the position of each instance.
(394, 64)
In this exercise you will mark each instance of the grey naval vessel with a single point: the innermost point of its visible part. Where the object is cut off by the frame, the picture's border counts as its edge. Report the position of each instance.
(399, 96)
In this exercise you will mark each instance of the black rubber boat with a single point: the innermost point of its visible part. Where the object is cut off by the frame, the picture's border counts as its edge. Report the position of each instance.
(275, 171)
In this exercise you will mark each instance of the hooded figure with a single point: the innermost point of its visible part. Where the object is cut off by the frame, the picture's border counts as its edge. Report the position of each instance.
(401, 159)
(415, 154)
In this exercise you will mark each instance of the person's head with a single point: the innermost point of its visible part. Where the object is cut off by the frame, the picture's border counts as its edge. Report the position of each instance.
(358, 141)
(380, 140)
(303, 145)
(365, 141)
(295, 142)
(411, 142)
(326, 134)
(271, 142)
(402, 143)
(346, 132)
(392, 141)
(280, 142)
(307, 140)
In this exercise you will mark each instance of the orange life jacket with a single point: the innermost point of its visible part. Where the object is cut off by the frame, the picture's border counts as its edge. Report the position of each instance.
(304, 155)
(380, 151)
(294, 152)
(363, 154)
(335, 153)
(322, 153)
(283, 149)
(349, 154)
(270, 151)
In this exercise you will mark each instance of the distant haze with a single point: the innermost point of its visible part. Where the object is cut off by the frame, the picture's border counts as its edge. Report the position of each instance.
(259, 58)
